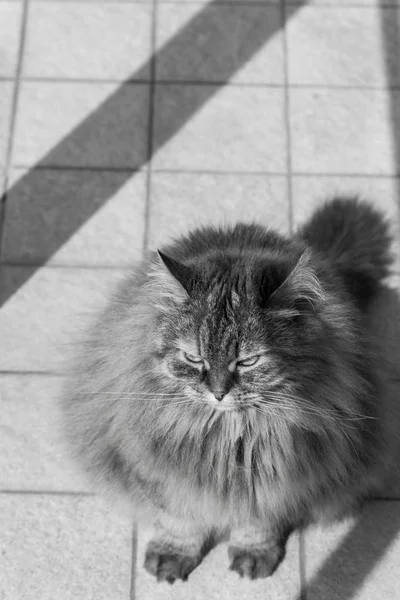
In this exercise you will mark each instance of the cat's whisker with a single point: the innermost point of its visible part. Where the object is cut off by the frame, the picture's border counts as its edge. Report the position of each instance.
(168, 398)
(323, 411)
(361, 418)
(133, 394)
(170, 401)
(354, 415)
(271, 413)
(339, 418)
(172, 404)
(310, 410)
(305, 409)
(274, 411)
(186, 401)
(314, 412)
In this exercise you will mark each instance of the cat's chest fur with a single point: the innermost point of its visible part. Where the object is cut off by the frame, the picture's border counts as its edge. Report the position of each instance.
(244, 469)
(229, 473)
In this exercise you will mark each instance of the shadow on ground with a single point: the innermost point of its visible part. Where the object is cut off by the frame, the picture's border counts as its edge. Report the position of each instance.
(366, 544)
(113, 135)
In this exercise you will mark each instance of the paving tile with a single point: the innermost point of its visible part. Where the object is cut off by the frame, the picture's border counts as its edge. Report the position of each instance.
(81, 124)
(356, 561)
(88, 40)
(213, 580)
(93, 1)
(344, 3)
(75, 217)
(237, 43)
(10, 28)
(46, 311)
(6, 90)
(343, 46)
(222, 1)
(215, 138)
(343, 131)
(63, 547)
(33, 454)
(181, 201)
(309, 192)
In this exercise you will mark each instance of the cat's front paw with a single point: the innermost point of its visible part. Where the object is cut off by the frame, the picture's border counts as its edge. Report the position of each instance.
(255, 563)
(167, 564)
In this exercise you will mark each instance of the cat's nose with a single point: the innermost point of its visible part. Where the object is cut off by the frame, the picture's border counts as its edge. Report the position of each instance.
(219, 383)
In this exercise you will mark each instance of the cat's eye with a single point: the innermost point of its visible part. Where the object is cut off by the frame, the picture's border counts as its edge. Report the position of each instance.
(196, 360)
(248, 362)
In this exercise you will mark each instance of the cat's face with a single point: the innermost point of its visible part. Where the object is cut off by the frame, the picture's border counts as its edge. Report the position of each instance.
(219, 359)
(226, 348)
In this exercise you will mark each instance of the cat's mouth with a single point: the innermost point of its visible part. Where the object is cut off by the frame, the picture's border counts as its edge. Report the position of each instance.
(221, 407)
(227, 403)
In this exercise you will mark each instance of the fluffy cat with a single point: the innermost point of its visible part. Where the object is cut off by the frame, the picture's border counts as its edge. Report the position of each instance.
(233, 386)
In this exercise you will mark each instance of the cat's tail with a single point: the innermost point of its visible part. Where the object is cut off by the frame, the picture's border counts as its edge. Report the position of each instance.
(356, 238)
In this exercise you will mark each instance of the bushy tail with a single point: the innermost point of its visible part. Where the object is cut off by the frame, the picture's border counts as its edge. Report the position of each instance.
(356, 239)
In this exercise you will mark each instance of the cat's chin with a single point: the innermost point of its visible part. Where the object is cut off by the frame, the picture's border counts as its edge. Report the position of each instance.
(224, 408)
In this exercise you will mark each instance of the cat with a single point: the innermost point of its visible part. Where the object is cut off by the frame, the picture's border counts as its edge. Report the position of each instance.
(232, 387)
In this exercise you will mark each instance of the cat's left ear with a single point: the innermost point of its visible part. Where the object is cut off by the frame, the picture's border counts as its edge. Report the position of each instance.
(182, 273)
(301, 289)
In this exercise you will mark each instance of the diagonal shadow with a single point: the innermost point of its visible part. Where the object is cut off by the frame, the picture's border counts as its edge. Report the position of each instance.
(115, 133)
(346, 569)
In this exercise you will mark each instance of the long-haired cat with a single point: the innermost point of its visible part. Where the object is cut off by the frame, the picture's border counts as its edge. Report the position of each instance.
(233, 386)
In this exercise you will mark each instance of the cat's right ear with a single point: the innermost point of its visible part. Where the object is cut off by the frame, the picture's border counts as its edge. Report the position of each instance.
(301, 288)
(182, 273)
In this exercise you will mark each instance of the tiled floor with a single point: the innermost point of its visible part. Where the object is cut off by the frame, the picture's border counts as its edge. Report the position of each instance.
(241, 118)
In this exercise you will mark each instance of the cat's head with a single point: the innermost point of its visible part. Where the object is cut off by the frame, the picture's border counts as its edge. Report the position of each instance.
(240, 329)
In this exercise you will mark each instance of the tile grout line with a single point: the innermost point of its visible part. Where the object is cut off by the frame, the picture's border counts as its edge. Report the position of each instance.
(132, 591)
(302, 578)
(88, 267)
(41, 263)
(7, 492)
(13, 116)
(287, 115)
(323, 4)
(302, 566)
(347, 87)
(78, 168)
(30, 373)
(44, 492)
(150, 143)
(227, 173)
(150, 129)
(333, 4)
